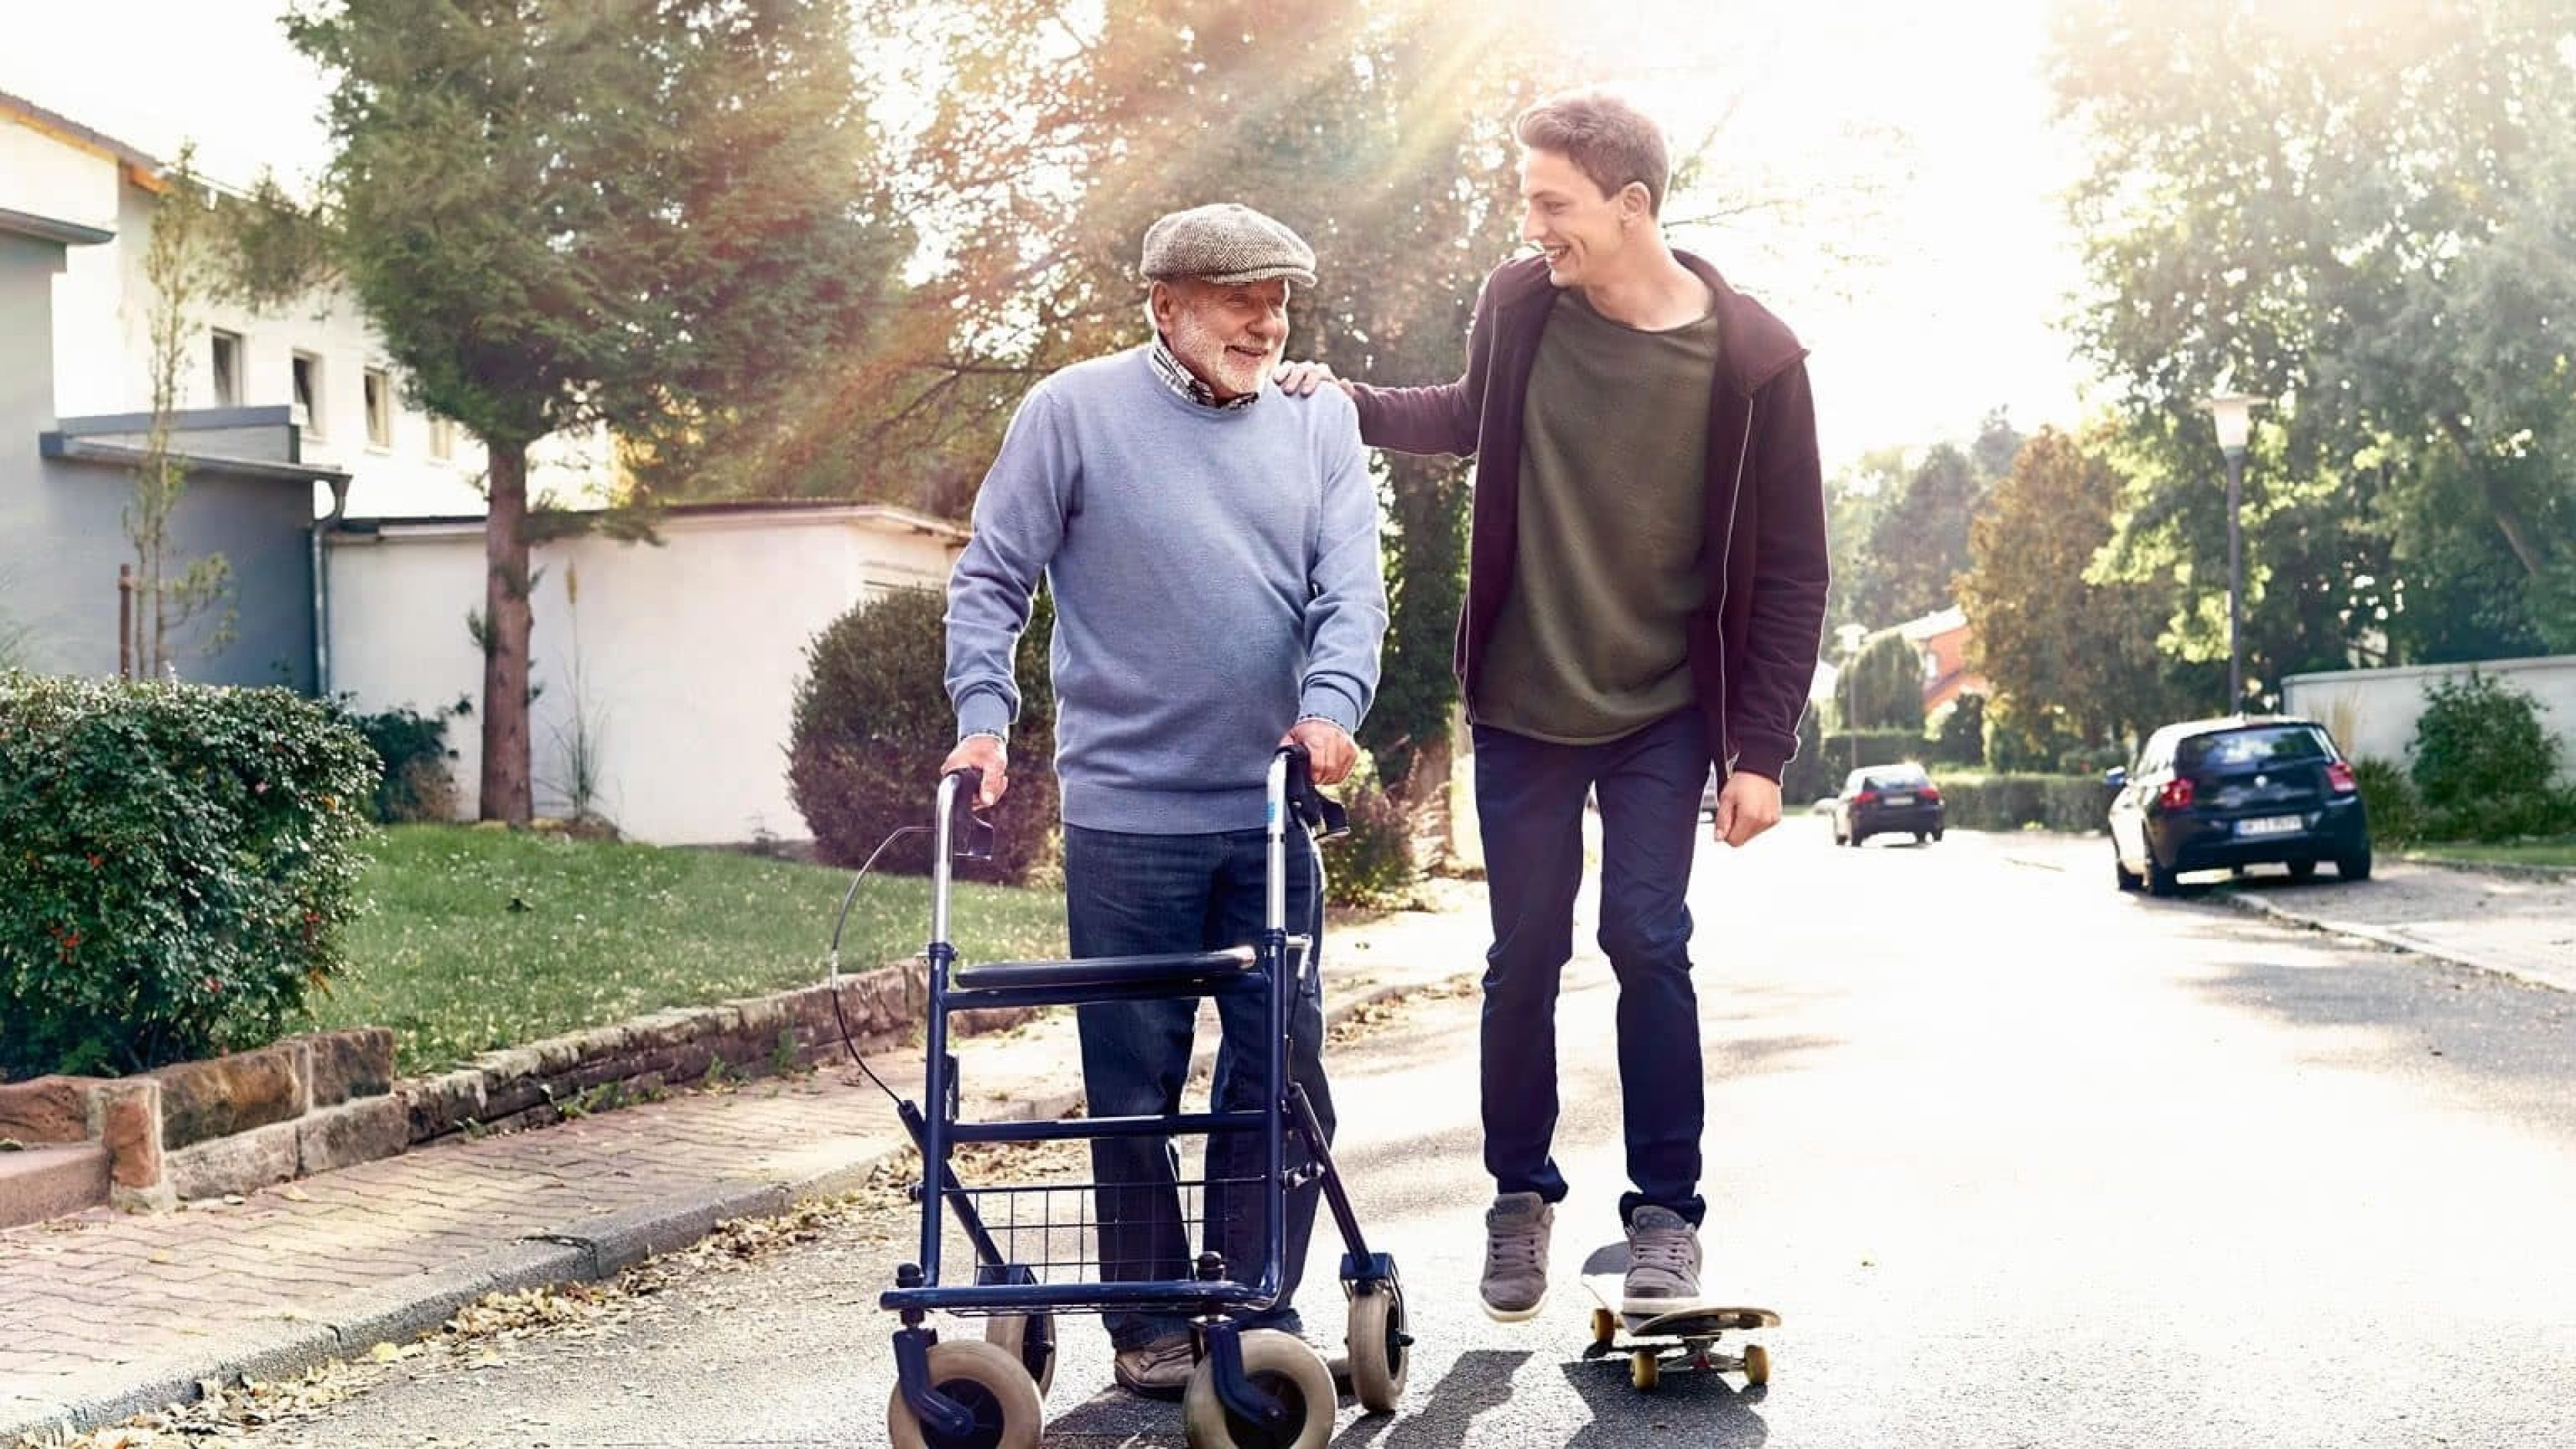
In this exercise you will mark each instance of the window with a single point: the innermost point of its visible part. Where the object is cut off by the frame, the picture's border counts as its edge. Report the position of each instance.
(442, 439)
(227, 369)
(308, 392)
(2268, 745)
(380, 408)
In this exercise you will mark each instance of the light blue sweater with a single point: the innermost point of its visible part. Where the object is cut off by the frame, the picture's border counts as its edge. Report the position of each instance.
(1215, 576)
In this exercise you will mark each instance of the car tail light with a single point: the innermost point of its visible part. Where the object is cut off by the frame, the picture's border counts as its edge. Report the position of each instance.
(1866, 797)
(2176, 795)
(1928, 792)
(2339, 775)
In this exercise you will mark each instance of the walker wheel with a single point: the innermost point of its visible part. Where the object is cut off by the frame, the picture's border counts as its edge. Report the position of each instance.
(1381, 1353)
(1757, 1364)
(1281, 1364)
(990, 1384)
(1644, 1368)
(1028, 1338)
(1605, 1326)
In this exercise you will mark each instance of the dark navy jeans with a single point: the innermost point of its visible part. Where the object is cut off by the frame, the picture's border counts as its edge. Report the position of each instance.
(1152, 894)
(1529, 798)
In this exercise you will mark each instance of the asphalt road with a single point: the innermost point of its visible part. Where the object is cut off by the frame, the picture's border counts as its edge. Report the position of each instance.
(2021, 1161)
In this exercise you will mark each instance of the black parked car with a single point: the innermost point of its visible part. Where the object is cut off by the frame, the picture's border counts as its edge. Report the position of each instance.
(2222, 793)
(1888, 800)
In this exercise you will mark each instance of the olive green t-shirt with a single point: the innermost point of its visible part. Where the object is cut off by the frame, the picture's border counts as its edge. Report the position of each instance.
(1592, 641)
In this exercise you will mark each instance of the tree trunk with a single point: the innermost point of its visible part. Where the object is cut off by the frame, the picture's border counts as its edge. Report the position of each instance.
(2500, 504)
(1426, 800)
(507, 620)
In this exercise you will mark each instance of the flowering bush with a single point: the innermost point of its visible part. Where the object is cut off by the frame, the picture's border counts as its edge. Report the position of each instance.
(176, 862)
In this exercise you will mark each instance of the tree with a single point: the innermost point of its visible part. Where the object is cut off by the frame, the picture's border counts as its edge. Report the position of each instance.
(1919, 543)
(1883, 688)
(2359, 213)
(180, 273)
(2075, 654)
(642, 215)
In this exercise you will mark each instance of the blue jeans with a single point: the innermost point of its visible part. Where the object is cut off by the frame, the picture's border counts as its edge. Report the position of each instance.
(1153, 894)
(1529, 797)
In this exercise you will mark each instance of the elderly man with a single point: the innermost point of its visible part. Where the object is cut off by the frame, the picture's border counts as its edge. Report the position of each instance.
(1212, 548)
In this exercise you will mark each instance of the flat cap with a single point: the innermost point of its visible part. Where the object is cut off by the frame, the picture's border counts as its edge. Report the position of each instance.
(1226, 244)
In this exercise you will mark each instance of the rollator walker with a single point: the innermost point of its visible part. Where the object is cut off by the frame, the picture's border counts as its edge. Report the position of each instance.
(1035, 1245)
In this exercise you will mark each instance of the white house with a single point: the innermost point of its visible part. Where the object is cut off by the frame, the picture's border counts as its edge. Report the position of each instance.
(675, 663)
(318, 356)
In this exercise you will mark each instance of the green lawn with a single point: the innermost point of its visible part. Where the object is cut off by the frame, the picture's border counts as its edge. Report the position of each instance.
(2539, 852)
(605, 932)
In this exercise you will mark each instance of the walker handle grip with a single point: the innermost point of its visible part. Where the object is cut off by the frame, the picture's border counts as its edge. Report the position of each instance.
(970, 830)
(1323, 816)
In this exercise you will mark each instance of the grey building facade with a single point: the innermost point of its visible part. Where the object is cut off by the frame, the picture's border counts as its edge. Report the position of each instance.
(66, 485)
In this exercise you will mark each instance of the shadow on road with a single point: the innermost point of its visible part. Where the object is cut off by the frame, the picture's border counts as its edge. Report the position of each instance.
(1478, 1380)
(2415, 1014)
(1695, 1407)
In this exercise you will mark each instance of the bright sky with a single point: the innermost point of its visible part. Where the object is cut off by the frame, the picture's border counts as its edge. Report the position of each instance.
(1940, 111)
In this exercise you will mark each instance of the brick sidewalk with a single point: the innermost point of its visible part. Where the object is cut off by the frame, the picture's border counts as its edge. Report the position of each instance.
(104, 1314)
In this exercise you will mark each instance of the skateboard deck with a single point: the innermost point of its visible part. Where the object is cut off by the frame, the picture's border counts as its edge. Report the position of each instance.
(1682, 1336)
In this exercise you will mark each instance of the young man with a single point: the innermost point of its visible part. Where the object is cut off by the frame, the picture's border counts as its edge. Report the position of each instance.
(1212, 548)
(1645, 598)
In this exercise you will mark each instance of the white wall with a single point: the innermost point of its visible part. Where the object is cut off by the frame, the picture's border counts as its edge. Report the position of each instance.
(2373, 712)
(688, 653)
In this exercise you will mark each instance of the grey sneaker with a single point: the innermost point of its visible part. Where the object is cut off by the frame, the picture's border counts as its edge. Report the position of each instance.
(1158, 1370)
(1516, 1231)
(1663, 1262)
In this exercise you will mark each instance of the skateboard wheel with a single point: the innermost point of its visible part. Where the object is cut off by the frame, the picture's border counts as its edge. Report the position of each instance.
(1605, 1326)
(1757, 1364)
(1030, 1338)
(991, 1385)
(1280, 1363)
(1381, 1353)
(1644, 1368)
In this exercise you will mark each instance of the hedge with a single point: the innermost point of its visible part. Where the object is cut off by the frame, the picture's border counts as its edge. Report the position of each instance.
(2014, 802)
(179, 862)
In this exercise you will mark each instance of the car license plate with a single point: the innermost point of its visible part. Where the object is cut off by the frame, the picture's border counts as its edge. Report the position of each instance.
(1899, 799)
(2269, 825)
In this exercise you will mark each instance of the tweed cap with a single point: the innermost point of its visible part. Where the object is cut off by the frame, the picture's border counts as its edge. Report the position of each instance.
(1226, 244)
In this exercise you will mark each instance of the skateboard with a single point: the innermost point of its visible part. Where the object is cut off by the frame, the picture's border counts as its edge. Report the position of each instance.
(1684, 1336)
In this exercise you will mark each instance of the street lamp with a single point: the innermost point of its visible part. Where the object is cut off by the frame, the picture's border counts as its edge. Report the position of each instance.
(2233, 412)
(1850, 636)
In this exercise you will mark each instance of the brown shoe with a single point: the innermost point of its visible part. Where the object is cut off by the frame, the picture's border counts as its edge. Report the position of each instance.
(1158, 1370)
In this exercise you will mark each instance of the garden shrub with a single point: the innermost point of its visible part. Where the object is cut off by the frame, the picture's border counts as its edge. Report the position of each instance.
(1373, 865)
(415, 784)
(872, 722)
(2388, 800)
(2484, 765)
(180, 861)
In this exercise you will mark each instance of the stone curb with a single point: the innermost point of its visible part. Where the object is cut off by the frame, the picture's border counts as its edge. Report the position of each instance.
(593, 1249)
(2374, 935)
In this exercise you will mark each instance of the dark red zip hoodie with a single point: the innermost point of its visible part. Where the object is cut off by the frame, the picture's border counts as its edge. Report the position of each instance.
(1754, 642)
